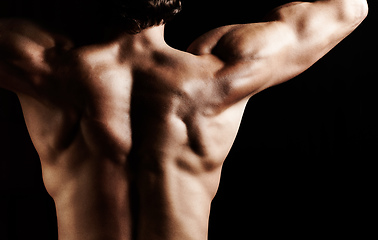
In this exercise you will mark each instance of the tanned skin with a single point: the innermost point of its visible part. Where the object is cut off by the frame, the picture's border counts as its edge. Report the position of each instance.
(132, 133)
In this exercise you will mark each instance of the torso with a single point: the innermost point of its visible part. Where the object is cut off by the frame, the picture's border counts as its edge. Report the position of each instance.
(132, 145)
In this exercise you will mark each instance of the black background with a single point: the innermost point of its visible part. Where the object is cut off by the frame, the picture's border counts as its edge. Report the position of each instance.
(302, 165)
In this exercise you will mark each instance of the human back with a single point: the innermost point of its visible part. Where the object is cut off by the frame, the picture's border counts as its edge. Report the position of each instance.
(146, 132)
(132, 134)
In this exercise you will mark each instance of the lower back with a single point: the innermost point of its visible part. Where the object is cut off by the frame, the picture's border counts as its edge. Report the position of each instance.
(174, 204)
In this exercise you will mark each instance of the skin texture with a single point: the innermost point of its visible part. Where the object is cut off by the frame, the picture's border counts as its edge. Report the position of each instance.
(132, 134)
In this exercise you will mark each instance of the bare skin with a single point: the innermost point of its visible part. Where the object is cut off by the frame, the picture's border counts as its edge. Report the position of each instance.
(132, 134)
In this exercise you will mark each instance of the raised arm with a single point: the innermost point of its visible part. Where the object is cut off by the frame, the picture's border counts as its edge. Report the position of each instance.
(293, 38)
(26, 52)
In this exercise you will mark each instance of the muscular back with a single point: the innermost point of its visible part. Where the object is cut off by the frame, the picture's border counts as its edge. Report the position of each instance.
(149, 131)
(132, 134)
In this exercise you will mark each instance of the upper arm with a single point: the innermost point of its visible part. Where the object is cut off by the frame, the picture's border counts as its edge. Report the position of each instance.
(296, 35)
(23, 51)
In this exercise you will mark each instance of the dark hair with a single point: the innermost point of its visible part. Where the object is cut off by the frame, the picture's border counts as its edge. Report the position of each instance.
(86, 21)
(136, 15)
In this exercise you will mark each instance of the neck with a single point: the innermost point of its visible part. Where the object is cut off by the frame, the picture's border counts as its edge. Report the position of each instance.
(150, 38)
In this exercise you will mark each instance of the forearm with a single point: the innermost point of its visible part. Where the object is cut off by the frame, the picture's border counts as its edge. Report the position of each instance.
(343, 10)
(315, 28)
(321, 19)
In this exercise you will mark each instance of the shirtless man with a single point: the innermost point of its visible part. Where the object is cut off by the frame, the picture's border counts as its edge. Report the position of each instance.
(132, 133)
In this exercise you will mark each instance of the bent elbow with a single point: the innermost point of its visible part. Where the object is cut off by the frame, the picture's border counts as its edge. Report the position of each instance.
(355, 12)
(363, 11)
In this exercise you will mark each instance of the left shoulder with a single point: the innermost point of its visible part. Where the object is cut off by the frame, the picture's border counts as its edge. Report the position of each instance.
(208, 41)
